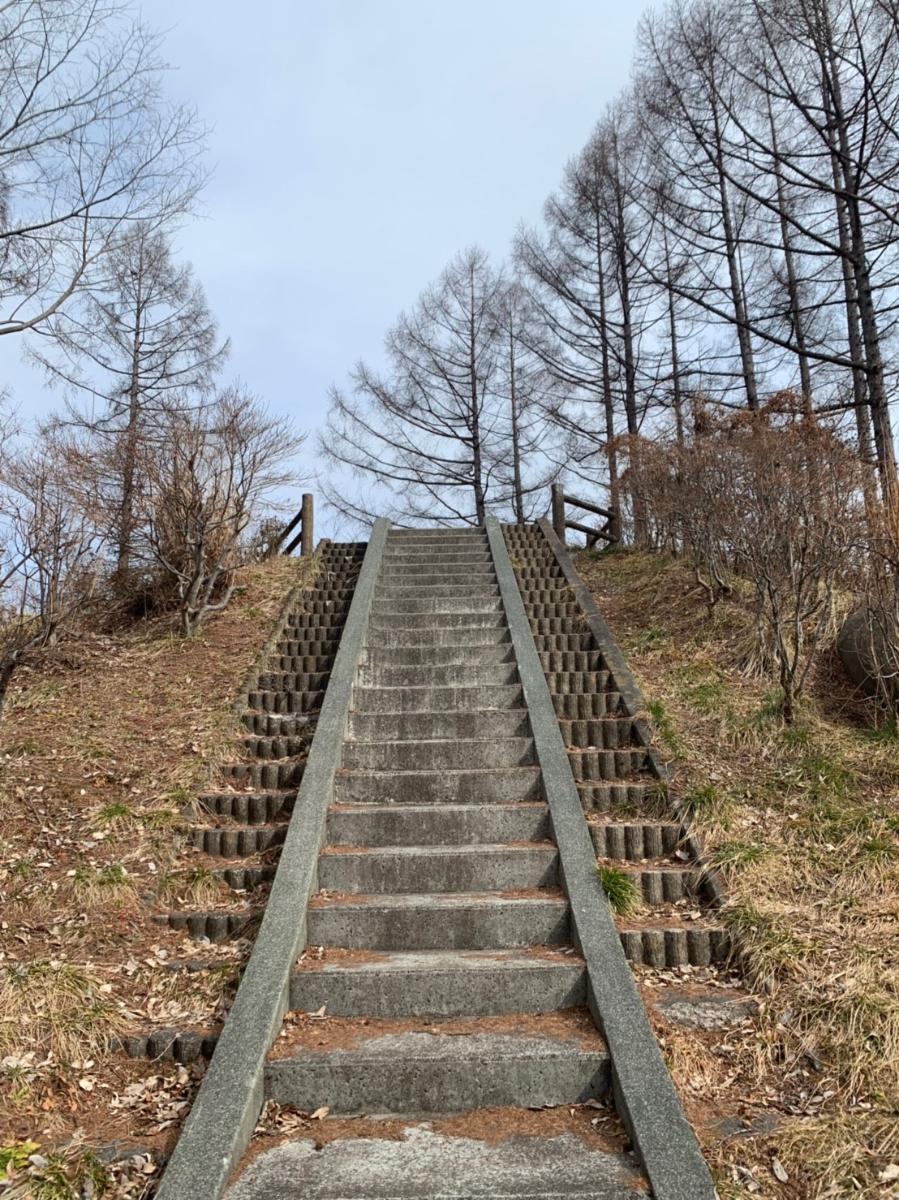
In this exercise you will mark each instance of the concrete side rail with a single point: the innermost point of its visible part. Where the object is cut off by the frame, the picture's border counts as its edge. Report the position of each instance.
(229, 1101)
(643, 1089)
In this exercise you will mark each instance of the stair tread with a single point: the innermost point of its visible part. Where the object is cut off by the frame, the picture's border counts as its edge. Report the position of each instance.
(403, 962)
(562, 1167)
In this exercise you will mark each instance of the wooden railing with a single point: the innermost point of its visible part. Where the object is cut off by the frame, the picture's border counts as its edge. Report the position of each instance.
(305, 538)
(607, 532)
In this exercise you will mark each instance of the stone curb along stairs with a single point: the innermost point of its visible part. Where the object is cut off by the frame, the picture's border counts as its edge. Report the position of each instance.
(439, 864)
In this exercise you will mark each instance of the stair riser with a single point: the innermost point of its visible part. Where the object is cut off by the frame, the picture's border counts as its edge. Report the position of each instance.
(394, 589)
(401, 727)
(433, 622)
(413, 1087)
(432, 656)
(438, 825)
(385, 873)
(493, 926)
(436, 573)
(461, 605)
(439, 787)
(441, 557)
(447, 754)
(486, 992)
(428, 637)
(436, 699)
(447, 675)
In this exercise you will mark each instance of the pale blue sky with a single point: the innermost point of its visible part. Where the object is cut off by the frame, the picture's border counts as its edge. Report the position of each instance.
(356, 147)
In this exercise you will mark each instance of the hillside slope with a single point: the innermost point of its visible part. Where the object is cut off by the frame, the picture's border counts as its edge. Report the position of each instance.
(805, 824)
(102, 744)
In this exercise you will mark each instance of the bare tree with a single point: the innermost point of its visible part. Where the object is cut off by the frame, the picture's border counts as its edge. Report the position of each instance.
(136, 341)
(425, 435)
(88, 146)
(49, 561)
(206, 476)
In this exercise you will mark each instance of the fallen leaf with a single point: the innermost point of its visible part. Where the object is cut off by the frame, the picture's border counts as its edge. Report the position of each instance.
(780, 1171)
(320, 1113)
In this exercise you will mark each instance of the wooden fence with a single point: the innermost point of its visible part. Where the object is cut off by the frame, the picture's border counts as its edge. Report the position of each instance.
(304, 538)
(607, 532)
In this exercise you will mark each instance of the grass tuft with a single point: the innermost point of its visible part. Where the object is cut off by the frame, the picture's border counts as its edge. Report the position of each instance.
(621, 889)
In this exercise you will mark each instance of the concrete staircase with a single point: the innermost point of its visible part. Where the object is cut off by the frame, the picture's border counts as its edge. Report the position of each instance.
(439, 966)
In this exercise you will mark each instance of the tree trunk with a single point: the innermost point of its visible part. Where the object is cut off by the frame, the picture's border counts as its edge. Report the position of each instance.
(477, 463)
(796, 320)
(738, 298)
(608, 399)
(517, 494)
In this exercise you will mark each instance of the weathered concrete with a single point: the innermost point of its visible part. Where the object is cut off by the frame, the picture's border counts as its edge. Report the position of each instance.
(644, 1092)
(509, 784)
(392, 869)
(227, 1106)
(412, 1073)
(376, 674)
(437, 824)
(440, 921)
(438, 754)
(399, 726)
(442, 983)
(432, 1166)
(437, 699)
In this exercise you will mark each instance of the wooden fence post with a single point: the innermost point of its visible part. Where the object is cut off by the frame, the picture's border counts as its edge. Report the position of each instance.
(308, 543)
(558, 511)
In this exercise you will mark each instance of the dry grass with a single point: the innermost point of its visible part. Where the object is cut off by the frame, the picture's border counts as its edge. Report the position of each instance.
(102, 745)
(805, 824)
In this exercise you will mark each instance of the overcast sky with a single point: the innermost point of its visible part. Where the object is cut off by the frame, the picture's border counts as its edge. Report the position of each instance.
(356, 146)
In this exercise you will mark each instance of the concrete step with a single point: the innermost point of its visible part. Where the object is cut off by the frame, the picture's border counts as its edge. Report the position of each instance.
(427, 726)
(448, 921)
(439, 983)
(439, 572)
(459, 605)
(431, 636)
(391, 587)
(439, 754)
(390, 620)
(439, 675)
(418, 556)
(557, 1167)
(433, 1072)
(422, 869)
(437, 824)
(504, 785)
(446, 655)
(463, 698)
